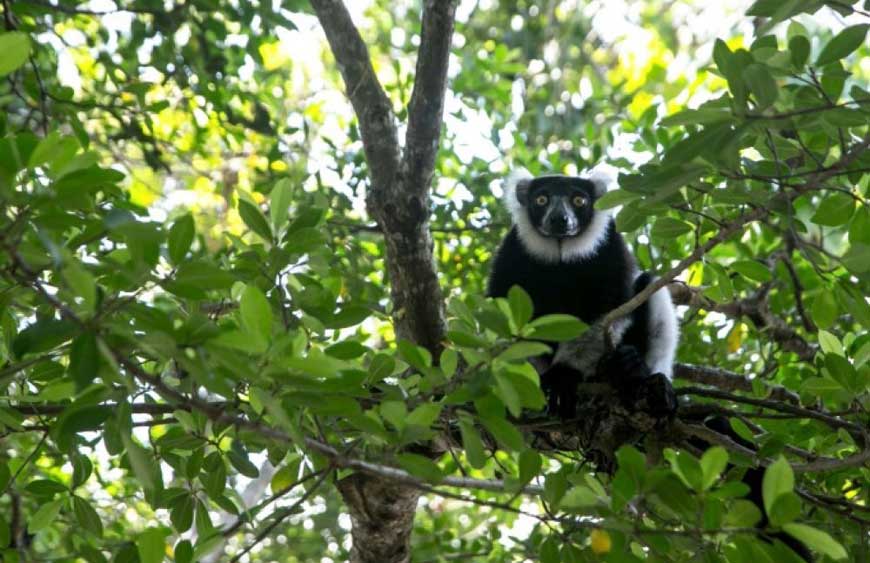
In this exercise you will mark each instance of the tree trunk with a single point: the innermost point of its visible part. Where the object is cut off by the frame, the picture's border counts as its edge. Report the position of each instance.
(382, 511)
(382, 516)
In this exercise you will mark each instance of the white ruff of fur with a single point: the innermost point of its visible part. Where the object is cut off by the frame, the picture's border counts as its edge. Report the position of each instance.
(663, 333)
(549, 249)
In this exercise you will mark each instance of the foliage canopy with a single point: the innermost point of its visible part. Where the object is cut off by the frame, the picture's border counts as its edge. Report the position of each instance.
(195, 306)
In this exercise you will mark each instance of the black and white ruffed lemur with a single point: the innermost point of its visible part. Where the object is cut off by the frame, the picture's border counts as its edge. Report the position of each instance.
(569, 258)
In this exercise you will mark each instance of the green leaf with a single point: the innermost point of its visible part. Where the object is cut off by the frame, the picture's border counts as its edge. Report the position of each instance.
(84, 360)
(785, 508)
(215, 478)
(15, 47)
(143, 465)
(778, 480)
(279, 203)
(50, 147)
(183, 552)
(504, 432)
(843, 44)
(255, 220)
(830, 344)
(508, 394)
(523, 350)
(87, 517)
(762, 85)
(615, 198)
(579, 497)
(382, 366)
(799, 50)
(836, 209)
(347, 350)
(713, 463)
(824, 309)
(424, 415)
(687, 468)
(857, 258)
(45, 516)
(472, 443)
(530, 465)
(285, 477)
(419, 358)
(420, 466)
(239, 460)
(181, 238)
(151, 545)
(43, 335)
(669, 228)
(46, 487)
(521, 306)
(466, 340)
(558, 328)
(256, 313)
(817, 540)
(181, 513)
(449, 362)
(82, 284)
(743, 514)
(752, 270)
(203, 275)
(859, 230)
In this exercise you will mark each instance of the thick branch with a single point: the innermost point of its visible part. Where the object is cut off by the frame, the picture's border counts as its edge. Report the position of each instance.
(427, 99)
(373, 109)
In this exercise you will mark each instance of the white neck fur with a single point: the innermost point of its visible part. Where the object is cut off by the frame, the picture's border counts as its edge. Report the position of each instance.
(549, 249)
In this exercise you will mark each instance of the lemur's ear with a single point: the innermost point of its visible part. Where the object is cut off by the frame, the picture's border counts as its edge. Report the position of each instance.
(522, 190)
(516, 188)
(602, 179)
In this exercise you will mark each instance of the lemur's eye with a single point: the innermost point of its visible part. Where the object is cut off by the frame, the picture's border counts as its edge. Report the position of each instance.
(541, 200)
(579, 201)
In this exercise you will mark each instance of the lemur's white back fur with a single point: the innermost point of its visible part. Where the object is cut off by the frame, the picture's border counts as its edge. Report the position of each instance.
(549, 249)
(664, 333)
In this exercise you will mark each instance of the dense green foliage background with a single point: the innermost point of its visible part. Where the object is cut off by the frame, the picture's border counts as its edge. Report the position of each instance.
(194, 306)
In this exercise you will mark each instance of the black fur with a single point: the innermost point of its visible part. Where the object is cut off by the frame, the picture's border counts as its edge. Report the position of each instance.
(586, 288)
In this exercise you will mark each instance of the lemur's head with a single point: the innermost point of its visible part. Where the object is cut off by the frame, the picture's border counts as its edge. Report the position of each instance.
(559, 207)
(555, 216)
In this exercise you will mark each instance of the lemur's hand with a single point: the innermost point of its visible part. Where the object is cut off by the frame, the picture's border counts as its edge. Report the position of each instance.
(559, 384)
(637, 386)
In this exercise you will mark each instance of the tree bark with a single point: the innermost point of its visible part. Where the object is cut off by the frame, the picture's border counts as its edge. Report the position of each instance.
(382, 517)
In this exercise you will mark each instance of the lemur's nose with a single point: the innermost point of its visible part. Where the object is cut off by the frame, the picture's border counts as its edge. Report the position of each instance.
(560, 221)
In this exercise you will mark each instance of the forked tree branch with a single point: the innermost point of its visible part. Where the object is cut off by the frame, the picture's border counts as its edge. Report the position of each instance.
(399, 196)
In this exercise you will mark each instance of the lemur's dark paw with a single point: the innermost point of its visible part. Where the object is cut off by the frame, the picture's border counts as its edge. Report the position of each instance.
(624, 364)
(559, 384)
(625, 370)
(656, 396)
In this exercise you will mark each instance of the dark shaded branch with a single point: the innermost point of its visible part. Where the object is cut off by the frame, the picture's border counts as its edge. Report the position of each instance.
(830, 420)
(75, 11)
(729, 381)
(756, 309)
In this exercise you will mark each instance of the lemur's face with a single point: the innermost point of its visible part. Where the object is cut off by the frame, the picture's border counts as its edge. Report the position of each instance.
(558, 206)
